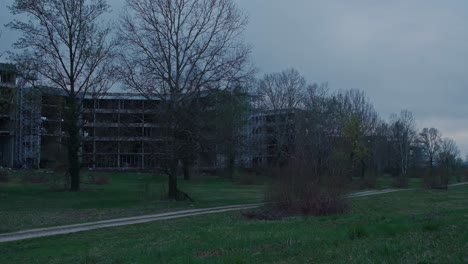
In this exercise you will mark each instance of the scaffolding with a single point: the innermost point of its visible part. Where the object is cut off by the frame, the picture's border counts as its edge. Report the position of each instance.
(7, 107)
(28, 130)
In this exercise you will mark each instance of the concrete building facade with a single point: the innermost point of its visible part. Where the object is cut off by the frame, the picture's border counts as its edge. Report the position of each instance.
(7, 114)
(120, 131)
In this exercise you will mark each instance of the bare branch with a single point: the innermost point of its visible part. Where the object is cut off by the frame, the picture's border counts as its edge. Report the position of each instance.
(175, 51)
(284, 90)
(65, 45)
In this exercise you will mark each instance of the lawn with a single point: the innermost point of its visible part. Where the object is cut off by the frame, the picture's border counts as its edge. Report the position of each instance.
(29, 205)
(386, 181)
(418, 226)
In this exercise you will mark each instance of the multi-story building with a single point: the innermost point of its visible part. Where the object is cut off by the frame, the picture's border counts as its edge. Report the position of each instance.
(272, 136)
(121, 131)
(7, 113)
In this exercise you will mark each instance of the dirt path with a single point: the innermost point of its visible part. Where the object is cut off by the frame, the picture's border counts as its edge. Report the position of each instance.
(376, 192)
(458, 184)
(67, 229)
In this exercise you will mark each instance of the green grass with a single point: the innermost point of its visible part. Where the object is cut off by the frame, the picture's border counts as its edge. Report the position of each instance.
(25, 206)
(418, 226)
(385, 182)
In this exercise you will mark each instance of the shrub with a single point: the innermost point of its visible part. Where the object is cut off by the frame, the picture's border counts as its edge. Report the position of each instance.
(369, 181)
(400, 182)
(435, 180)
(428, 179)
(4, 176)
(458, 177)
(465, 173)
(309, 199)
(297, 189)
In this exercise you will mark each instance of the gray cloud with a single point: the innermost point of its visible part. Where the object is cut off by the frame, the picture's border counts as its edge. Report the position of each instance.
(404, 54)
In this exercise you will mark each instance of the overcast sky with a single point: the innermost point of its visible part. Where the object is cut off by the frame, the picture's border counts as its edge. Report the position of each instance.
(405, 54)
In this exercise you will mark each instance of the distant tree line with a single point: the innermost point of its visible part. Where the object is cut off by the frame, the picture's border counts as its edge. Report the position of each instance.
(342, 130)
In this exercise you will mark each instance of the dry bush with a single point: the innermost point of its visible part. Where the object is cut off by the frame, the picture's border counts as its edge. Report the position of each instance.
(465, 174)
(4, 176)
(458, 175)
(435, 180)
(400, 181)
(297, 189)
(368, 182)
(428, 181)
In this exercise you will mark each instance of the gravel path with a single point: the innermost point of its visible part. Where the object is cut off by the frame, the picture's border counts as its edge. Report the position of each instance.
(67, 229)
(376, 192)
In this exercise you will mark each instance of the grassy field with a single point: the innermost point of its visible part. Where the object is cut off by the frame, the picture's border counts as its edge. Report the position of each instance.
(418, 226)
(128, 194)
(385, 182)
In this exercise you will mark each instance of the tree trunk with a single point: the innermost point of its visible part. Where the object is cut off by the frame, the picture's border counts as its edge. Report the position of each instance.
(74, 171)
(363, 169)
(173, 191)
(351, 169)
(446, 175)
(186, 169)
(73, 146)
(231, 168)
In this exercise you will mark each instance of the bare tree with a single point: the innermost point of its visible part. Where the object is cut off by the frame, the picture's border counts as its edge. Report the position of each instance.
(355, 145)
(380, 150)
(353, 103)
(360, 123)
(446, 159)
(174, 51)
(282, 90)
(319, 129)
(430, 140)
(402, 136)
(65, 44)
(232, 111)
(280, 97)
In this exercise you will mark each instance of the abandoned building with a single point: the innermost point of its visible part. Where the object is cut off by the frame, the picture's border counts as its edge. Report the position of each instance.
(272, 135)
(7, 114)
(120, 131)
